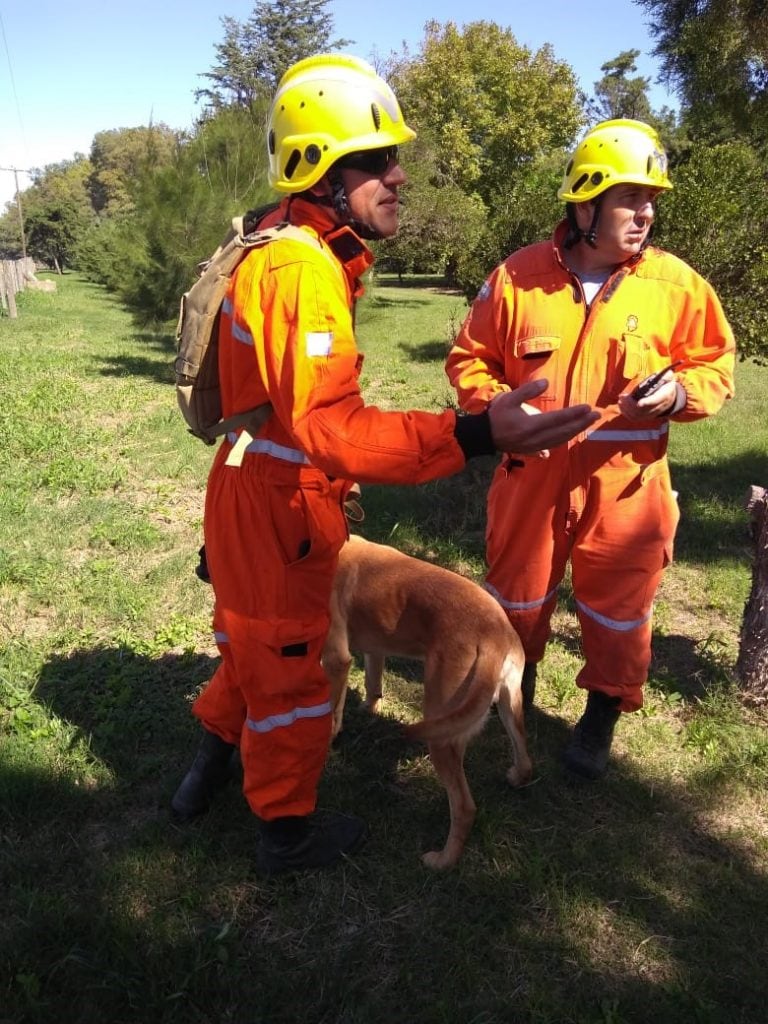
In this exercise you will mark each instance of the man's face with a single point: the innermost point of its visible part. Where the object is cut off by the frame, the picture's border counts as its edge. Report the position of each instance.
(626, 215)
(373, 198)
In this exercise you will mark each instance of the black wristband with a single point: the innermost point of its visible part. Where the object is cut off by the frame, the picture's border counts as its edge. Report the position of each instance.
(473, 434)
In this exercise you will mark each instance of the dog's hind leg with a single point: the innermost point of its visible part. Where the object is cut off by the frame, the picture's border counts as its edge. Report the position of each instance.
(510, 708)
(374, 681)
(448, 759)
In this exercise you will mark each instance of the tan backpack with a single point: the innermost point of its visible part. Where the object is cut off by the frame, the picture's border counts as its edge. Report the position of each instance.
(197, 333)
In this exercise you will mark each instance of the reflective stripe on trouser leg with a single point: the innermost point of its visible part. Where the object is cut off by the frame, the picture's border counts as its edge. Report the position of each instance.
(618, 563)
(530, 619)
(221, 707)
(287, 732)
(616, 657)
(527, 548)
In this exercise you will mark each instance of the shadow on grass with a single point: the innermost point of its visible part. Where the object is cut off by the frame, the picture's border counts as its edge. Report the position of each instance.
(379, 301)
(157, 365)
(713, 520)
(427, 352)
(131, 708)
(583, 903)
(431, 281)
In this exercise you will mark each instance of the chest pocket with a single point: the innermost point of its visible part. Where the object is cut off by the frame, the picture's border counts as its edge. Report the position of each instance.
(538, 358)
(635, 356)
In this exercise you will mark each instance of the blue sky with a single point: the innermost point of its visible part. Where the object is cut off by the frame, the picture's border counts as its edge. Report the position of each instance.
(70, 70)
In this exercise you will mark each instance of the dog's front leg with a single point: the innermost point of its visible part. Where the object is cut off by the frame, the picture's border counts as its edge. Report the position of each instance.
(337, 661)
(374, 676)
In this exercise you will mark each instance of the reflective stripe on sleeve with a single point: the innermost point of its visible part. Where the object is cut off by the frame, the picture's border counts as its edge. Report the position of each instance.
(238, 333)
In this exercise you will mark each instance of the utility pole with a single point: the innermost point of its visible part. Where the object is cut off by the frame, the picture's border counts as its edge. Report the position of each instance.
(16, 171)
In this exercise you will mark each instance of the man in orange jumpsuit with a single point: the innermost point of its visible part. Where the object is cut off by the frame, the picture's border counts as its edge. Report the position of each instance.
(274, 520)
(596, 311)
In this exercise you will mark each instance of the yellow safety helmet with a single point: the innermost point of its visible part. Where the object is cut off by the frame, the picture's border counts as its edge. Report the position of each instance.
(326, 107)
(613, 153)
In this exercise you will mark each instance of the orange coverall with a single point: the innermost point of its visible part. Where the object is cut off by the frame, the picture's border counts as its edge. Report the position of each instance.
(605, 499)
(274, 525)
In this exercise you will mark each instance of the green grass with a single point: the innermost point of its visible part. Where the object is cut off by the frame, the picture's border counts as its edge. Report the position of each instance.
(640, 899)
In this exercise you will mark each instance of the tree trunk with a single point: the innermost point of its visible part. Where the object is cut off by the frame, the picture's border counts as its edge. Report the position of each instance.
(752, 663)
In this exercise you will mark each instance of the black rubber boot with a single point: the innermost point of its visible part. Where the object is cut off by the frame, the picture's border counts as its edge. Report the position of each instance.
(587, 753)
(300, 844)
(212, 769)
(528, 685)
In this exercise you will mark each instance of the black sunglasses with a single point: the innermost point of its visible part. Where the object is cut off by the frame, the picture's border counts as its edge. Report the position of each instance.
(371, 161)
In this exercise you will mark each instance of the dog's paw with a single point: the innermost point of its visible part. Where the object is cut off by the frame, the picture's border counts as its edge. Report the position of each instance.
(438, 860)
(518, 777)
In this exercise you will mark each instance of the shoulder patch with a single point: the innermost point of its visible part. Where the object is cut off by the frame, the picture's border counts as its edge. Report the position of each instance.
(319, 343)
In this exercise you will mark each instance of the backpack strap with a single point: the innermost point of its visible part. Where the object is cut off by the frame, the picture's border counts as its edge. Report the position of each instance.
(252, 420)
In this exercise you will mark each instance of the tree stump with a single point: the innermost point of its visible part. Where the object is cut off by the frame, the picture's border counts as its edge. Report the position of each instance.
(752, 663)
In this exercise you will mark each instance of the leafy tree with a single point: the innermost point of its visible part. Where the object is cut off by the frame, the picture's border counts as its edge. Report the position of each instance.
(618, 95)
(490, 104)
(182, 210)
(10, 231)
(57, 211)
(437, 217)
(715, 218)
(523, 212)
(119, 158)
(715, 53)
(255, 53)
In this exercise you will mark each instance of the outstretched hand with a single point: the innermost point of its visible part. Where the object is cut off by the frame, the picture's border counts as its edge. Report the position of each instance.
(522, 429)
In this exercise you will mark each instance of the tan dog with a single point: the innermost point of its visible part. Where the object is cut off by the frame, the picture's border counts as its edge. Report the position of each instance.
(385, 602)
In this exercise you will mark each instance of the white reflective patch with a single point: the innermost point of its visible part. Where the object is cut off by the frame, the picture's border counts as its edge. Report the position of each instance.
(319, 343)
(484, 292)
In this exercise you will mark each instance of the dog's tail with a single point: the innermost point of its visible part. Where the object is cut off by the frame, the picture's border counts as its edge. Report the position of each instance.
(468, 718)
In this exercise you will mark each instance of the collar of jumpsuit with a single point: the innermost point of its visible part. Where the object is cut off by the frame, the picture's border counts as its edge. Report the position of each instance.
(350, 250)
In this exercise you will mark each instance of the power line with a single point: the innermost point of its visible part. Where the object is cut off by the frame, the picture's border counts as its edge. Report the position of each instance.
(13, 82)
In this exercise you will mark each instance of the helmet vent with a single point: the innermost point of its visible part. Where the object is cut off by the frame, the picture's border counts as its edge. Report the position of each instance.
(649, 165)
(569, 168)
(375, 114)
(597, 177)
(272, 141)
(293, 161)
(582, 180)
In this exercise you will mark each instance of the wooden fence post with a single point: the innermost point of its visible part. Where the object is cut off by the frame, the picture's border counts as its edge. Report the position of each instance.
(752, 663)
(8, 275)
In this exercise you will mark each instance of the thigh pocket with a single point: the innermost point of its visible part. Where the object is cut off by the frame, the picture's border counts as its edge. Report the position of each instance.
(309, 529)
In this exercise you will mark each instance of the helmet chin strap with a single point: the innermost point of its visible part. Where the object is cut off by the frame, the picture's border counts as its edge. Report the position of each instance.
(340, 203)
(575, 233)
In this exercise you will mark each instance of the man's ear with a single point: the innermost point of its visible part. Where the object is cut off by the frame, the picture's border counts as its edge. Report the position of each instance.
(584, 214)
(322, 187)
